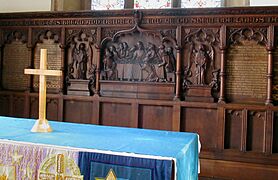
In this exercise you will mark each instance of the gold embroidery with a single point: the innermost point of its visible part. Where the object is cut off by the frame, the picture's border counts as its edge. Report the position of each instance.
(64, 167)
(3, 177)
(16, 158)
(7, 172)
(110, 176)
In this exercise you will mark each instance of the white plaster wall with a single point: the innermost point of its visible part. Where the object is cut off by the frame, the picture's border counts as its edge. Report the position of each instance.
(24, 5)
(263, 2)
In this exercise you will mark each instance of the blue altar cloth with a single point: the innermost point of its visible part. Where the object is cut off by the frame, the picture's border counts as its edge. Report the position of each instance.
(183, 147)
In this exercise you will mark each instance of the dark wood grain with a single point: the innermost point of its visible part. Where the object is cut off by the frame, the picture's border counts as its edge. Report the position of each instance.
(208, 71)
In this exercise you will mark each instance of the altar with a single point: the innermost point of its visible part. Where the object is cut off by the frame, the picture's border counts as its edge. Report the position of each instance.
(82, 151)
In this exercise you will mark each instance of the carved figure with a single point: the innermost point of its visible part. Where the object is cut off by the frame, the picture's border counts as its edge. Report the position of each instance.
(187, 75)
(215, 79)
(138, 54)
(148, 65)
(168, 61)
(109, 65)
(114, 53)
(80, 59)
(200, 59)
(92, 78)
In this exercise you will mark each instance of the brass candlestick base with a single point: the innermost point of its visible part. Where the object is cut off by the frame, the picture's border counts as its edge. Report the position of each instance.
(41, 125)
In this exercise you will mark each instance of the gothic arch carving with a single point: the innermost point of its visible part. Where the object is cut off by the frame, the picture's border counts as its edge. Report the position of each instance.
(236, 35)
(139, 54)
(200, 65)
(80, 53)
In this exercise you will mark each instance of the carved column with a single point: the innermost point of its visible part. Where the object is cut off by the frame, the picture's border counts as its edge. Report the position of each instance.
(98, 48)
(62, 46)
(269, 48)
(178, 65)
(223, 62)
(178, 75)
(30, 47)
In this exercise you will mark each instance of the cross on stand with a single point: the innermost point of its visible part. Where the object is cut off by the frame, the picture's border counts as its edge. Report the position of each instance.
(41, 124)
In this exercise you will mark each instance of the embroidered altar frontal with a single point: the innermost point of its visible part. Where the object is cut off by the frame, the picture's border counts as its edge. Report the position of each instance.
(90, 152)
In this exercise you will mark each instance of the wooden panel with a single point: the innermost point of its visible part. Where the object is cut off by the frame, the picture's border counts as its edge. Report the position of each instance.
(138, 90)
(15, 61)
(78, 111)
(48, 41)
(205, 124)
(18, 106)
(256, 131)
(115, 114)
(52, 109)
(275, 77)
(246, 72)
(275, 133)
(238, 41)
(155, 117)
(4, 105)
(235, 170)
(233, 125)
(34, 107)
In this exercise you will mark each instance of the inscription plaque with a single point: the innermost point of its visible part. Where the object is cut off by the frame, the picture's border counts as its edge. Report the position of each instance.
(246, 72)
(15, 61)
(275, 77)
(54, 62)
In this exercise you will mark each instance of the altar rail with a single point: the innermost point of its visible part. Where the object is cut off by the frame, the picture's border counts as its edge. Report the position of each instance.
(210, 71)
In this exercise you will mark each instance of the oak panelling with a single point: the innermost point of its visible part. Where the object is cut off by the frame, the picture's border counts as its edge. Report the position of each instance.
(34, 107)
(237, 171)
(155, 117)
(115, 114)
(246, 71)
(48, 39)
(275, 76)
(4, 105)
(15, 60)
(275, 133)
(17, 108)
(233, 129)
(51, 108)
(78, 111)
(205, 124)
(242, 49)
(256, 124)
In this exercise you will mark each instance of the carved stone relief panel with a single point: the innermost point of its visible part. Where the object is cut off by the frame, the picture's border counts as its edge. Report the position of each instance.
(15, 60)
(48, 39)
(201, 61)
(246, 65)
(138, 55)
(81, 60)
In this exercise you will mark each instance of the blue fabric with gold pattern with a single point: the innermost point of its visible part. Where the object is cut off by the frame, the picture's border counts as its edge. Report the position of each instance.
(179, 145)
(95, 165)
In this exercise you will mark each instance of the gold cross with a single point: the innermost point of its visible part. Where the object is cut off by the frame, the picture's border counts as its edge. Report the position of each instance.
(41, 124)
(59, 167)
